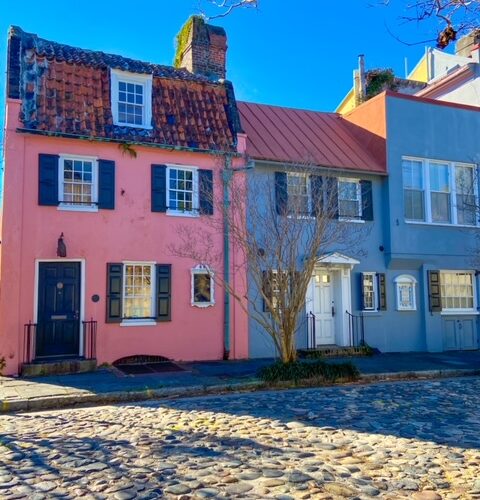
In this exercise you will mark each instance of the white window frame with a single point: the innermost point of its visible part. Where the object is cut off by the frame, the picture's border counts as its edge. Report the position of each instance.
(426, 162)
(65, 205)
(139, 79)
(309, 194)
(450, 310)
(375, 291)
(195, 212)
(358, 217)
(201, 269)
(406, 280)
(140, 321)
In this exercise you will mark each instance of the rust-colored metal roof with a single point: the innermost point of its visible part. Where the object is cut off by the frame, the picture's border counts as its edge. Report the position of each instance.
(299, 136)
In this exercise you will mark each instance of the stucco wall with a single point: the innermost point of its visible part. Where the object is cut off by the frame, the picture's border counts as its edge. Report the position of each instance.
(130, 232)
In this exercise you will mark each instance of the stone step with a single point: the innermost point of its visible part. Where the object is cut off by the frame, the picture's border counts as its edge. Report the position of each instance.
(58, 367)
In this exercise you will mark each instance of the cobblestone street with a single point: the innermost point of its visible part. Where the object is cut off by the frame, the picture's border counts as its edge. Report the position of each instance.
(416, 440)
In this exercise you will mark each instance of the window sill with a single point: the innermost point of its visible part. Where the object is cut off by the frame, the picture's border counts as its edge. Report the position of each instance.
(356, 221)
(203, 305)
(439, 224)
(139, 322)
(130, 125)
(460, 312)
(371, 312)
(77, 208)
(413, 309)
(176, 213)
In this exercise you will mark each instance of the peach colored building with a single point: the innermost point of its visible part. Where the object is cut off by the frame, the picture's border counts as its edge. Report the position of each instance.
(106, 160)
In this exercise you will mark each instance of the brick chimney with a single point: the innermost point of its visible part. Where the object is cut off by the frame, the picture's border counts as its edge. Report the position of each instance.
(202, 49)
(467, 44)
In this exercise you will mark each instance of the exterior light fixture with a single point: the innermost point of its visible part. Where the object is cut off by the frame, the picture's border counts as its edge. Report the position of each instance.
(61, 247)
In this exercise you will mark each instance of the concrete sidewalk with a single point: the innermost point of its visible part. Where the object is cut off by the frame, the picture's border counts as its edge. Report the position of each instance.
(109, 385)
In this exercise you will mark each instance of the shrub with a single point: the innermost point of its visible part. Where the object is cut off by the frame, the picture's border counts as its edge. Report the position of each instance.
(363, 350)
(304, 370)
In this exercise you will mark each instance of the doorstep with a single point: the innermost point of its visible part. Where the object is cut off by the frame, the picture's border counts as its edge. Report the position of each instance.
(58, 367)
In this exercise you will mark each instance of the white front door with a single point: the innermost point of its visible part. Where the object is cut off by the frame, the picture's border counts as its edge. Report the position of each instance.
(322, 308)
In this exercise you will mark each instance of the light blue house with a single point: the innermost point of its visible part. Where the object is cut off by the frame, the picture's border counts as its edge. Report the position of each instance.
(408, 166)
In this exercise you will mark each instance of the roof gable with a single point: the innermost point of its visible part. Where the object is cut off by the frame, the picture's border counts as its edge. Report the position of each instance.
(66, 90)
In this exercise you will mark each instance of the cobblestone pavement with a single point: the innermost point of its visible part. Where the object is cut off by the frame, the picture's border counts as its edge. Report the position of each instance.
(417, 440)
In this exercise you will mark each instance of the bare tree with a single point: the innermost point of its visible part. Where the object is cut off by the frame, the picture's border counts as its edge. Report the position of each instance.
(289, 223)
(225, 7)
(455, 17)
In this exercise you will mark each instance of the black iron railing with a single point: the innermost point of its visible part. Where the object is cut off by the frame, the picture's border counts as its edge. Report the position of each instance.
(356, 329)
(90, 339)
(29, 336)
(311, 325)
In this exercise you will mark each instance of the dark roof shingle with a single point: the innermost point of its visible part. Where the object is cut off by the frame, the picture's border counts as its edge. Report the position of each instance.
(66, 90)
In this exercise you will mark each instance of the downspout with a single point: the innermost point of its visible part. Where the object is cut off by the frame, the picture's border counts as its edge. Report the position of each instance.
(227, 177)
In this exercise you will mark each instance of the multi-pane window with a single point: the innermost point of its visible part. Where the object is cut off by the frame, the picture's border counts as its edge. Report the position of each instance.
(181, 191)
(78, 182)
(369, 291)
(298, 189)
(440, 199)
(413, 190)
(457, 290)
(130, 103)
(349, 199)
(131, 99)
(202, 287)
(466, 204)
(138, 291)
(405, 285)
(439, 192)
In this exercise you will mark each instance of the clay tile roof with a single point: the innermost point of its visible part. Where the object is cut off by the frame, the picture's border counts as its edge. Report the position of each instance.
(297, 136)
(66, 90)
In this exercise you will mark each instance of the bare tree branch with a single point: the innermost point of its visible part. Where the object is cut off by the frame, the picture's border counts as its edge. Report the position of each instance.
(225, 7)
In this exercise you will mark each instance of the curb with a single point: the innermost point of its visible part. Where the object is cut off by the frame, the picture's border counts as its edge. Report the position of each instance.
(91, 399)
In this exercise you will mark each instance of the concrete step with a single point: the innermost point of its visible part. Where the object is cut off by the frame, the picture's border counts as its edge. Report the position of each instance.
(58, 367)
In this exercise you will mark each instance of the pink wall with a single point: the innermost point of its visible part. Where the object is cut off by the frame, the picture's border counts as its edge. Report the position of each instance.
(130, 232)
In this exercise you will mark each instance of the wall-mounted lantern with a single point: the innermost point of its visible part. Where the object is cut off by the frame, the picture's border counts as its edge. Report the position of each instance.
(61, 247)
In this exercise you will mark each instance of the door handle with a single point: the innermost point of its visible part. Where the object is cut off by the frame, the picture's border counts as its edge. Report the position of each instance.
(75, 316)
(333, 311)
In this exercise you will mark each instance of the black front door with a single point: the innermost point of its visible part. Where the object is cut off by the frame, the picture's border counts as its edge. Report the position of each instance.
(58, 319)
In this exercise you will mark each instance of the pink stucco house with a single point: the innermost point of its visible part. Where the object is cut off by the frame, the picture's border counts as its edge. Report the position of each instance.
(105, 158)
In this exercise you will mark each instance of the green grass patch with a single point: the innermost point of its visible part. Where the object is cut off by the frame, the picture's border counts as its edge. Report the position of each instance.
(316, 370)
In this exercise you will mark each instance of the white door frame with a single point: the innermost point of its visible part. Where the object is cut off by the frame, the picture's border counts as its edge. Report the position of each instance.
(82, 294)
(340, 267)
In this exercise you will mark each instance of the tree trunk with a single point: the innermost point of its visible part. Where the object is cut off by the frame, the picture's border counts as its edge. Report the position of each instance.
(289, 351)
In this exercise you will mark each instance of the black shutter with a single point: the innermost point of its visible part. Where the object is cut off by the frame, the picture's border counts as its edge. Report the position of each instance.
(164, 292)
(332, 197)
(205, 181)
(382, 291)
(434, 295)
(281, 193)
(114, 293)
(367, 200)
(106, 184)
(316, 187)
(47, 180)
(159, 188)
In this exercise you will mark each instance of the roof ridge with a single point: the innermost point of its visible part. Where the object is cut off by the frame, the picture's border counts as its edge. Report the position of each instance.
(52, 49)
(288, 107)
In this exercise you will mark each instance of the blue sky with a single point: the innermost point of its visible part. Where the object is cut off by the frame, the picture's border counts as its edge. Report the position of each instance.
(290, 52)
(295, 53)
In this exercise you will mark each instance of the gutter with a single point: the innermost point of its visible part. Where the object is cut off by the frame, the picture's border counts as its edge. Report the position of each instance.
(227, 177)
(167, 147)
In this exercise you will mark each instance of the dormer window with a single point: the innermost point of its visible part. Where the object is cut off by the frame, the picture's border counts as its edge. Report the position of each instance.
(131, 99)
